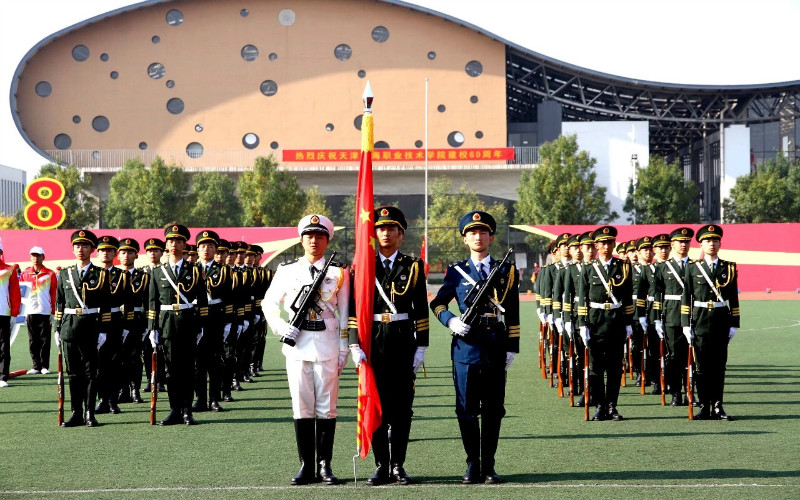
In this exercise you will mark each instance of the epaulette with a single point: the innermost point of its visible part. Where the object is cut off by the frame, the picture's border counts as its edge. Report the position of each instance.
(289, 262)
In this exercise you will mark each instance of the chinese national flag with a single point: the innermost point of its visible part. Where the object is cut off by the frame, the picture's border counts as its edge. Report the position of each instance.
(369, 404)
(423, 254)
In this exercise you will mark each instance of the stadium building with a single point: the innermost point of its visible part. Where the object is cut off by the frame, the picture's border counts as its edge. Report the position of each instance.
(212, 84)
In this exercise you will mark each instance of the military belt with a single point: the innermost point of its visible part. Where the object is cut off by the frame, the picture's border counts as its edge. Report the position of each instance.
(672, 297)
(214, 301)
(176, 307)
(116, 309)
(313, 325)
(710, 304)
(138, 309)
(388, 317)
(81, 311)
(650, 298)
(605, 305)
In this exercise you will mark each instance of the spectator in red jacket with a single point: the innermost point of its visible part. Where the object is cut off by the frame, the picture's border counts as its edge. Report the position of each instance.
(39, 306)
(9, 308)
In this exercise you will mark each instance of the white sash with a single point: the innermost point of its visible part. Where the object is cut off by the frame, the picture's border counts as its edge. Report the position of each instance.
(675, 273)
(384, 297)
(75, 291)
(605, 283)
(705, 275)
(174, 286)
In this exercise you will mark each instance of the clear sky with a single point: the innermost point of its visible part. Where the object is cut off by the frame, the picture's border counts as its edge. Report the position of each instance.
(711, 42)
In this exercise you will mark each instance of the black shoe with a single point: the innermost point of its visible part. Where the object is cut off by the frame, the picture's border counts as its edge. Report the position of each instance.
(136, 397)
(304, 476)
(600, 414)
(102, 407)
(380, 476)
(215, 406)
(161, 387)
(75, 420)
(114, 408)
(173, 417)
(580, 402)
(491, 476)
(228, 398)
(254, 372)
(90, 420)
(704, 413)
(146, 388)
(638, 380)
(399, 475)
(656, 390)
(472, 475)
(676, 400)
(187, 418)
(614, 414)
(719, 412)
(246, 378)
(200, 406)
(124, 396)
(236, 386)
(325, 474)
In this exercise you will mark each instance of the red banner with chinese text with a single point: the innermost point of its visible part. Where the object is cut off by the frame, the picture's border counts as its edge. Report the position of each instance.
(384, 155)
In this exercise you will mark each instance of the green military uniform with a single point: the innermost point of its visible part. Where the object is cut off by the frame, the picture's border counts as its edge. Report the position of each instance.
(711, 312)
(136, 325)
(399, 330)
(81, 317)
(569, 308)
(605, 316)
(177, 312)
(643, 302)
(147, 347)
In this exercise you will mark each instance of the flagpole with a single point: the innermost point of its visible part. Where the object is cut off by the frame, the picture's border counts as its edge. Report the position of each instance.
(427, 242)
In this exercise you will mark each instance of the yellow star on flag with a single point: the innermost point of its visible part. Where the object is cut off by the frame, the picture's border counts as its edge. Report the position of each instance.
(372, 243)
(365, 215)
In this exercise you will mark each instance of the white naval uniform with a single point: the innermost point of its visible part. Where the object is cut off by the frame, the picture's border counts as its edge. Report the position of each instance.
(312, 365)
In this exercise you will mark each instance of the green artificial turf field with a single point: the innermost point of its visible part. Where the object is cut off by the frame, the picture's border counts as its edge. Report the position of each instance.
(546, 449)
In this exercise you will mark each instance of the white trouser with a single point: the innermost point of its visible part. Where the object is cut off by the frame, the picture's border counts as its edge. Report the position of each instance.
(314, 386)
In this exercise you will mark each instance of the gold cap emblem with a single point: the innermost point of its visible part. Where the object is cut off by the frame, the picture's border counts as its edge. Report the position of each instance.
(710, 229)
(384, 212)
(476, 216)
(151, 241)
(605, 230)
(81, 234)
(314, 219)
(174, 228)
(205, 233)
(683, 231)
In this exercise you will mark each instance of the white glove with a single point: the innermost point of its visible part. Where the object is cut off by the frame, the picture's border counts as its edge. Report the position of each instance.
(226, 331)
(569, 329)
(643, 322)
(101, 339)
(457, 326)
(628, 331)
(419, 357)
(584, 331)
(288, 331)
(342, 361)
(660, 329)
(199, 337)
(731, 333)
(154, 338)
(246, 325)
(539, 312)
(358, 355)
(144, 334)
(238, 330)
(125, 335)
(57, 338)
(509, 359)
(688, 333)
(257, 318)
(560, 324)
(550, 319)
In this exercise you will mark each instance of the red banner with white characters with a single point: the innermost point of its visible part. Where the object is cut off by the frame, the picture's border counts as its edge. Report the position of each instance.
(58, 249)
(402, 155)
(767, 255)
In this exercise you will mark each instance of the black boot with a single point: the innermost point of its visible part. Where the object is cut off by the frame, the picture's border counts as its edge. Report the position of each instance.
(600, 414)
(187, 417)
(490, 434)
(90, 420)
(136, 397)
(304, 435)
(102, 406)
(172, 418)
(326, 430)
(719, 412)
(677, 400)
(399, 446)
(123, 396)
(471, 438)
(380, 449)
(113, 407)
(613, 413)
(704, 413)
(76, 402)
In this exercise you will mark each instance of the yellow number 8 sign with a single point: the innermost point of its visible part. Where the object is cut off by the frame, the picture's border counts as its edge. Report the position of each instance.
(44, 209)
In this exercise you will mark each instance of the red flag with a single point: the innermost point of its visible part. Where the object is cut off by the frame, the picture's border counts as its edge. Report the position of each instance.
(369, 404)
(423, 254)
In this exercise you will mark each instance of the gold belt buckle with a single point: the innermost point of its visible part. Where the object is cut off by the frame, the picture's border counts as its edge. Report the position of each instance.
(710, 305)
(386, 318)
(176, 307)
(78, 311)
(607, 306)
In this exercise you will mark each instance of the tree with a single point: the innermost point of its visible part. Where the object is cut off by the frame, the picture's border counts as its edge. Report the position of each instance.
(269, 196)
(213, 203)
(445, 210)
(662, 195)
(142, 197)
(770, 194)
(562, 189)
(315, 202)
(7, 222)
(82, 209)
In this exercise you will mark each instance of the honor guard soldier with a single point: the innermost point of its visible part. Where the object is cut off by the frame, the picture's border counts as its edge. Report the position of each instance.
(399, 340)
(10, 303)
(191, 253)
(643, 301)
(109, 375)
(82, 321)
(209, 360)
(244, 288)
(669, 284)
(262, 284)
(316, 352)
(559, 274)
(569, 308)
(605, 315)
(232, 311)
(482, 351)
(40, 305)
(710, 318)
(154, 249)
(135, 323)
(176, 316)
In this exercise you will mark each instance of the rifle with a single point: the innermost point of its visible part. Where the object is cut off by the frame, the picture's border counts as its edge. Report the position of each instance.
(571, 382)
(552, 347)
(307, 300)
(560, 375)
(542, 361)
(60, 384)
(625, 354)
(480, 292)
(689, 381)
(586, 383)
(154, 386)
(663, 384)
(643, 369)
(630, 358)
